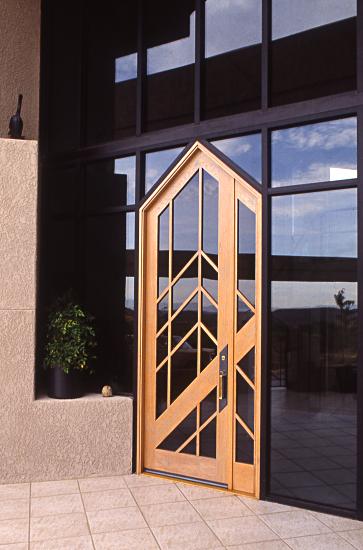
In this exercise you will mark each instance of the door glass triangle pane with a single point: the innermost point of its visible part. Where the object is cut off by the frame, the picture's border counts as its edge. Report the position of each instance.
(246, 251)
(163, 311)
(191, 448)
(247, 364)
(181, 433)
(210, 279)
(208, 406)
(244, 445)
(209, 316)
(163, 252)
(245, 151)
(185, 320)
(244, 314)
(245, 402)
(185, 285)
(208, 350)
(207, 440)
(184, 363)
(162, 347)
(210, 216)
(161, 389)
(185, 224)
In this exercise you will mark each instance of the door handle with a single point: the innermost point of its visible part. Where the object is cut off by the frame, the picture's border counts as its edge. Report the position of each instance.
(223, 379)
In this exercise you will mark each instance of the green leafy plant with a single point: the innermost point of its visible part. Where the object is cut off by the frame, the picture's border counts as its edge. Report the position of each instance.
(71, 338)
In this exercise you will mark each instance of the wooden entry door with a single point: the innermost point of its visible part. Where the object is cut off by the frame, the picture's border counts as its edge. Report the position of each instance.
(199, 344)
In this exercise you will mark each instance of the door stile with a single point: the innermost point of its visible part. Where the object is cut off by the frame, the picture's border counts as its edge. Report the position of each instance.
(226, 319)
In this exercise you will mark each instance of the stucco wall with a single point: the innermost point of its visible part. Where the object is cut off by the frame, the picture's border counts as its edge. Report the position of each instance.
(19, 62)
(42, 439)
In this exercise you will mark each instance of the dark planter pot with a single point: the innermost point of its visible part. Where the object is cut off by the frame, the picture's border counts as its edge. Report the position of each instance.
(64, 386)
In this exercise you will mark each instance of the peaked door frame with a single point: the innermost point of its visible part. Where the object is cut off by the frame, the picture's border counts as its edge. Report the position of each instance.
(220, 165)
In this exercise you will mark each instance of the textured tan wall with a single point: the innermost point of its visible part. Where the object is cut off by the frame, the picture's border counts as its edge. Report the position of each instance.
(42, 439)
(19, 63)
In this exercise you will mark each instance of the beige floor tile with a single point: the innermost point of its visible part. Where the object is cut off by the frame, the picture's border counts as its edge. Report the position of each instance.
(267, 545)
(138, 539)
(72, 543)
(219, 508)
(194, 536)
(157, 494)
(135, 480)
(90, 484)
(248, 529)
(327, 541)
(50, 488)
(14, 509)
(170, 513)
(57, 527)
(294, 524)
(336, 523)
(13, 491)
(353, 537)
(105, 500)
(14, 530)
(117, 519)
(196, 492)
(264, 507)
(55, 505)
(19, 546)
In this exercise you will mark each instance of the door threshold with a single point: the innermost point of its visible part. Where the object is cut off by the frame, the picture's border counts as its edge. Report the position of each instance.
(187, 479)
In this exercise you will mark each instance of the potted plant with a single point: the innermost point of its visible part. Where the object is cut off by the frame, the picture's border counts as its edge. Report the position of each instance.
(70, 342)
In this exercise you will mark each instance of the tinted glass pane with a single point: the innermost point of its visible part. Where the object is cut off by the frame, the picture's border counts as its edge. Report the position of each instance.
(233, 56)
(245, 402)
(163, 254)
(181, 433)
(207, 440)
(314, 346)
(246, 252)
(325, 151)
(110, 183)
(64, 189)
(183, 366)
(247, 364)
(313, 50)
(210, 279)
(208, 350)
(109, 296)
(244, 446)
(64, 93)
(245, 151)
(162, 347)
(191, 448)
(157, 163)
(170, 42)
(244, 314)
(185, 224)
(111, 70)
(184, 321)
(163, 311)
(127, 168)
(209, 316)
(185, 285)
(208, 406)
(210, 216)
(161, 390)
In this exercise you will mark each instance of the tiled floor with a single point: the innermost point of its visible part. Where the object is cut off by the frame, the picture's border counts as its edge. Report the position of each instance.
(141, 512)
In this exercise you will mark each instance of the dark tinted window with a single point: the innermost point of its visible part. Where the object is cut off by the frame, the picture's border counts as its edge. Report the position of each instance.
(233, 56)
(314, 347)
(111, 70)
(170, 43)
(313, 52)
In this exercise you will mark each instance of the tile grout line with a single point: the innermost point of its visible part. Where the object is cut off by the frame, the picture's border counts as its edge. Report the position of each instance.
(141, 512)
(85, 513)
(203, 520)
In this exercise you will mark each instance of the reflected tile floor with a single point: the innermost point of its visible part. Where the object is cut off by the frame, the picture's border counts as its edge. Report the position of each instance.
(144, 512)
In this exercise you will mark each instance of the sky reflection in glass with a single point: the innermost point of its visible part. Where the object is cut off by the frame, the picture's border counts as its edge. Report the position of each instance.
(157, 163)
(325, 151)
(127, 167)
(245, 151)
